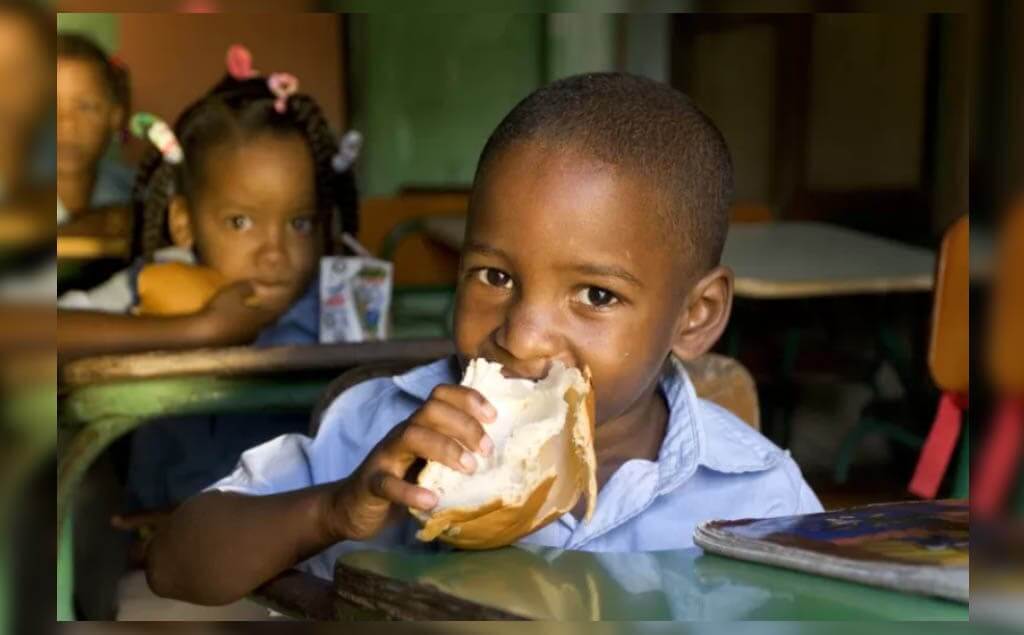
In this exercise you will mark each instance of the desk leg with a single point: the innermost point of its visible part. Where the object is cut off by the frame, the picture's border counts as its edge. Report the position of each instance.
(65, 573)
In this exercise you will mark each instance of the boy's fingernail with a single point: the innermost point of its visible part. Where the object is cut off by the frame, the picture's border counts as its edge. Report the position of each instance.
(427, 500)
(490, 411)
(468, 462)
(486, 445)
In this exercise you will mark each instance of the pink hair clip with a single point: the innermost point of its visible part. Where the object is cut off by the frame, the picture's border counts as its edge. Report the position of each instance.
(283, 85)
(239, 62)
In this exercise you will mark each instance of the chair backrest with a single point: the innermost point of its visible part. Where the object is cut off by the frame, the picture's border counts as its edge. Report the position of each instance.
(750, 212)
(717, 378)
(1005, 338)
(949, 347)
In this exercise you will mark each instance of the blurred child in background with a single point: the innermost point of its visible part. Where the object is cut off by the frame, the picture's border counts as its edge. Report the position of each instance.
(92, 103)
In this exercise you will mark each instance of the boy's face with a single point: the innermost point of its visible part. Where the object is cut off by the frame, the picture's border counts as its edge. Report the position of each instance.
(565, 259)
(254, 216)
(86, 115)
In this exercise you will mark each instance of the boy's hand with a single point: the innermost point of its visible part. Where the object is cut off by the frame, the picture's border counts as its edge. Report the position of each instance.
(441, 430)
(234, 316)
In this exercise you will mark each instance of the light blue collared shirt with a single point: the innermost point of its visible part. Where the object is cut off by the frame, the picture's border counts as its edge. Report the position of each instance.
(711, 465)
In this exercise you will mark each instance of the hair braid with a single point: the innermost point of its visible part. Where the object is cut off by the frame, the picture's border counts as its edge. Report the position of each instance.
(151, 194)
(335, 191)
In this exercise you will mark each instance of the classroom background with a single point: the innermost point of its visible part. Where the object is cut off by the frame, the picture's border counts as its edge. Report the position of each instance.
(861, 121)
(865, 133)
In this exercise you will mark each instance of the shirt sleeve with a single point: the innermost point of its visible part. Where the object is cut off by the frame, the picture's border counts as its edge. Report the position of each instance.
(351, 426)
(280, 465)
(804, 500)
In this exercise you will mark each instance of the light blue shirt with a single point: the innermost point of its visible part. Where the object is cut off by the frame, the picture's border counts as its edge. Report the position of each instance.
(711, 465)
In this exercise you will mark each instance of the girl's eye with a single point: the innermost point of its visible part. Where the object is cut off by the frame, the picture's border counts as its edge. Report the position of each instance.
(494, 277)
(597, 297)
(241, 223)
(303, 224)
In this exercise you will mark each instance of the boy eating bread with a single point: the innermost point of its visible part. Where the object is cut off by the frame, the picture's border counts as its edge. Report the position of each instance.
(596, 223)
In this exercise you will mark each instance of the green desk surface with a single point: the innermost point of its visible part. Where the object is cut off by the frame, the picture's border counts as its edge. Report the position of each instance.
(544, 583)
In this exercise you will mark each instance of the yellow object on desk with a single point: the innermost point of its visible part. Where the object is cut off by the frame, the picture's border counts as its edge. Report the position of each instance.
(175, 288)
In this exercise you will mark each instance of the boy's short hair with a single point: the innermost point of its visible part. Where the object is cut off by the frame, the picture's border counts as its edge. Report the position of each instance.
(644, 126)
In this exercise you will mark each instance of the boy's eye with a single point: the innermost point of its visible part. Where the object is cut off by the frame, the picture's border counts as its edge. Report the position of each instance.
(596, 297)
(240, 222)
(303, 224)
(494, 277)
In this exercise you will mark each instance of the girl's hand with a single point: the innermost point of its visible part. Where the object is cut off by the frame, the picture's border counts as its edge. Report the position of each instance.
(441, 430)
(233, 316)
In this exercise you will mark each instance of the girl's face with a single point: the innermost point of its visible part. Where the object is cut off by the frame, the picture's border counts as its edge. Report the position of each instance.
(254, 215)
(87, 115)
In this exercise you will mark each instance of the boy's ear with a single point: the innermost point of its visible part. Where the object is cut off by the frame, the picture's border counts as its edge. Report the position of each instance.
(179, 223)
(705, 314)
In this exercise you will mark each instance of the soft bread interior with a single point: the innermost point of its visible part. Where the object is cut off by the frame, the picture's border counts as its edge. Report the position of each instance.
(543, 460)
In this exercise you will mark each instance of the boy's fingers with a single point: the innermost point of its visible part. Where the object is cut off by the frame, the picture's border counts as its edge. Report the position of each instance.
(420, 441)
(467, 400)
(456, 423)
(394, 489)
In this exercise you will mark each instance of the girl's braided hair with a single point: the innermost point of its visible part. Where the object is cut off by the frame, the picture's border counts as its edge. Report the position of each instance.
(235, 110)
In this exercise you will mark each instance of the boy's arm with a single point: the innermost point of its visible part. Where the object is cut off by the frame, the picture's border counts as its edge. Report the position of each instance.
(227, 319)
(219, 546)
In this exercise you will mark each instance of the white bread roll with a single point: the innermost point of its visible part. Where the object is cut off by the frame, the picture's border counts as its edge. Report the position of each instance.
(543, 460)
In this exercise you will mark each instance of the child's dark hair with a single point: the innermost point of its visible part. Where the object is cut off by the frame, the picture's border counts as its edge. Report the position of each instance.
(79, 47)
(236, 110)
(644, 126)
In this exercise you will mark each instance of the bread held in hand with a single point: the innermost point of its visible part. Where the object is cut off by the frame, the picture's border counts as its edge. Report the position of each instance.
(543, 461)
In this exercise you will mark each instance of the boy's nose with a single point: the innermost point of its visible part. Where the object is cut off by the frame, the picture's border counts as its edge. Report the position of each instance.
(529, 337)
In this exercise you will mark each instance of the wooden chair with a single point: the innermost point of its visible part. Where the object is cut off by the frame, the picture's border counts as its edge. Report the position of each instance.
(948, 364)
(750, 212)
(999, 465)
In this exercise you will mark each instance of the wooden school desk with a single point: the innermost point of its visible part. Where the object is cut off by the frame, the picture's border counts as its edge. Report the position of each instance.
(103, 398)
(545, 583)
(100, 233)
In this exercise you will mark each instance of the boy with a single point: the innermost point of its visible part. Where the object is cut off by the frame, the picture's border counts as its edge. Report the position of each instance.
(598, 215)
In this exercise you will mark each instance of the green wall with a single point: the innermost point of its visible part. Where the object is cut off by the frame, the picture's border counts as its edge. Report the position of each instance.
(102, 27)
(427, 90)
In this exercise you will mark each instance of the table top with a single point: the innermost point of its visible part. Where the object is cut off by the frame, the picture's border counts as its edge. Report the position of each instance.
(247, 360)
(785, 259)
(100, 233)
(545, 583)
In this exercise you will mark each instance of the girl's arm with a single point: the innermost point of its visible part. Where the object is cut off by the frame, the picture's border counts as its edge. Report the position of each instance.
(82, 333)
(226, 320)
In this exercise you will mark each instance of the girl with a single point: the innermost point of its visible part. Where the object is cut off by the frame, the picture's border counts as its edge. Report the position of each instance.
(249, 186)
